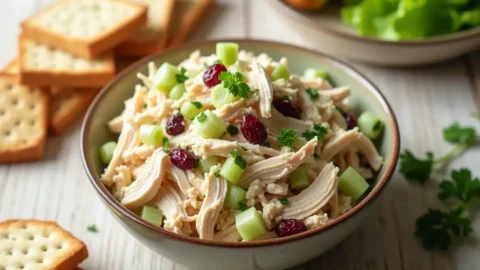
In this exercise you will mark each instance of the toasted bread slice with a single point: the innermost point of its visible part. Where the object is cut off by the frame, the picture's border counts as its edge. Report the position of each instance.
(67, 106)
(23, 121)
(46, 66)
(86, 28)
(35, 244)
(186, 17)
(153, 36)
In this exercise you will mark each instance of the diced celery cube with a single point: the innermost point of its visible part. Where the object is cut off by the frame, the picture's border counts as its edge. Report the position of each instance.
(250, 224)
(280, 72)
(208, 125)
(299, 178)
(232, 168)
(177, 91)
(106, 151)
(190, 109)
(352, 184)
(165, 78)
(152, 215)
(312, 73)
(235, 195)
(151, 134)
(370, 125)
(206, 164)
(227, 52)
(221, 96)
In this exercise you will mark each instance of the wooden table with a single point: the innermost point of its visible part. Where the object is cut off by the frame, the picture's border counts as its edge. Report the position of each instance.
(425, 99)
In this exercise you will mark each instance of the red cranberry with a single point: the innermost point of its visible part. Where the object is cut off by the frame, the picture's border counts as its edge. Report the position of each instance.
(286, 227)
(175, 124)
(287, 108)
(252, 129)
(182, 158)
(351, 120)
(210, 77)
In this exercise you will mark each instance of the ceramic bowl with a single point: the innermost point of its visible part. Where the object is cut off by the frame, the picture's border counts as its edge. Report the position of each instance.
(327, 32)
(266, 254)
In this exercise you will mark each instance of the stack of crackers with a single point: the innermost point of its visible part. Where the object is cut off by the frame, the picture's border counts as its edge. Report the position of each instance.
(67, 52)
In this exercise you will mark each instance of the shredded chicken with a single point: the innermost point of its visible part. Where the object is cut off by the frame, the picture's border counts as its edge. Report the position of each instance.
(229, 234)
(216, 191)
(146, 186)
(338, 142)
(180, 177)
(265, 89)
(337, 94)
(278, 122)
(366, 147)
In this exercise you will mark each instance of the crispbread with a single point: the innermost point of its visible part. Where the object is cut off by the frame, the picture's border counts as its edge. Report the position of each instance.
(35, 244)
(153, 36)
(186, 16)
(45, 66)
(23, 121)
(67, 105)
(86, 28)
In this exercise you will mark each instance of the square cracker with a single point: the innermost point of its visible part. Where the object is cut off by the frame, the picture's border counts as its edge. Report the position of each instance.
(186, 17)
(35, 244)
(46, 66)
(67, 106)
(153, 36)
(85, 28)
(23, 121)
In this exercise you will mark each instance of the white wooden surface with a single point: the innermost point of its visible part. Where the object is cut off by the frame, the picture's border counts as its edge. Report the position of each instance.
(425, 100)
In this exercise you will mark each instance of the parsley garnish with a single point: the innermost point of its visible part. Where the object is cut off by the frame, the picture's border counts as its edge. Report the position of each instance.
(287, 137)
(436, 227)
(232, 130)
(181, 77)
(201, 117)
(457, 134)
(318, 131)
(267, 144)
(238, 159)
(463, 187)
(144, 105)
(92, 228)
(283, 201)
(315, 155)
(242, 206)
(165, 141)
(217, 173)
(197, 104)
(416, 169)
(312, 93)
(235, 84)
(287, 97)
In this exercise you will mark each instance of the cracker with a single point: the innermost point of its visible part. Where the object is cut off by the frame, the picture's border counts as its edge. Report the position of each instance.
(153, 36)
(67, 106)
(46, 66)
(86, 28)
(23, 121)
(186, 17)
(35, 244)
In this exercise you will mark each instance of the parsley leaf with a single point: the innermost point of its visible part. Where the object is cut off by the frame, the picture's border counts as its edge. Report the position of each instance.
(235, 84)
(463, 187)
(312, 93)
(232, 130)
(181, 77)
(242, 206)
(238, 159)
(217, 173)
(283, 201)
(201, 117)
(318, 131)
(267, 144)
(92, 228)
(461, 135)
(436, 227)
(197, 104)
(165, 142)
(287, 137)
(416, 169)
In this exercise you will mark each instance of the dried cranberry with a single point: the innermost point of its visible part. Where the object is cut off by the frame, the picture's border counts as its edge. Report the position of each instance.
(351, 120)
(182, 158)
(252, 129)
(175, 124)
(287, 108)
(210, 77)
(286, 227)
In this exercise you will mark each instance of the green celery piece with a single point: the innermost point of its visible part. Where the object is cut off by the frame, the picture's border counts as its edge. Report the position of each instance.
(152, 215)
(235, 195)
(206, 164)
(250, 224)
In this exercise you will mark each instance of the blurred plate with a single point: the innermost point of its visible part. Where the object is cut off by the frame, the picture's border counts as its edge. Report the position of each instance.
(326, 30)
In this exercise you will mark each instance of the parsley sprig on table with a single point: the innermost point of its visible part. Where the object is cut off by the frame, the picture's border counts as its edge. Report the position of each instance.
(235, 84)
(436, 228)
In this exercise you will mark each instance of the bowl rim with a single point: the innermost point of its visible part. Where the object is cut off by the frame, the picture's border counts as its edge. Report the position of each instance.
(121, 210)
(296, 15)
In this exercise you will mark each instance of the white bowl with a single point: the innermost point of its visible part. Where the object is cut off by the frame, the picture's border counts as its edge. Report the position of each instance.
(330, 35)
